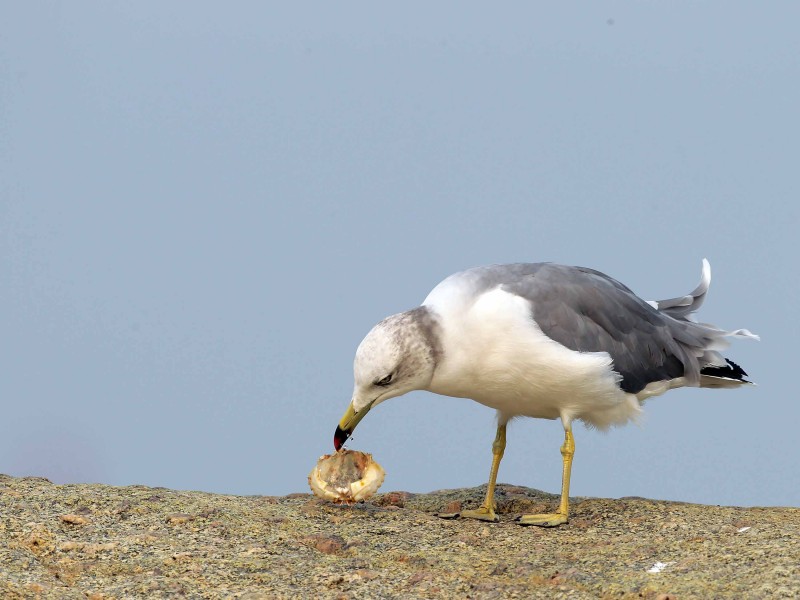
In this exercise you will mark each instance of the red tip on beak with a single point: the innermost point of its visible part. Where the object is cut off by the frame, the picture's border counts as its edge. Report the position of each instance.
(340, 437)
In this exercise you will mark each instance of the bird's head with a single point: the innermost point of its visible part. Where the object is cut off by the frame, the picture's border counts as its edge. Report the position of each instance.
(399, 355)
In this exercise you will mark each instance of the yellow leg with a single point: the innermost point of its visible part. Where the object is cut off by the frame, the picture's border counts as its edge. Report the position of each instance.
(562, 516)
(486, 512)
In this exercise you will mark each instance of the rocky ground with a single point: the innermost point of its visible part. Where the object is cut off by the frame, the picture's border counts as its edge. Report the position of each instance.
(97, 541)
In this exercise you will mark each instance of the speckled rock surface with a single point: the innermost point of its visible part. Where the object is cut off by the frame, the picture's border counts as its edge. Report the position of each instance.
(96, 541)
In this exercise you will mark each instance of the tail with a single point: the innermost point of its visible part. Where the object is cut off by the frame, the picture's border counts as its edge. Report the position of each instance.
(682, 307)
(730, 375)
(715, 370)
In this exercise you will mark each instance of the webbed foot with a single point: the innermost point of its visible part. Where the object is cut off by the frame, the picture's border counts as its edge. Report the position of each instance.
(544, 520)
(482, 514)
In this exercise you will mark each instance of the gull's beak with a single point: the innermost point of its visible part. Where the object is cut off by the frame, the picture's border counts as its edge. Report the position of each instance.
(349, 421)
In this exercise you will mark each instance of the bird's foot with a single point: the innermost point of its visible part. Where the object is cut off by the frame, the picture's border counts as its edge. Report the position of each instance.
(544, 520)
(482, 514)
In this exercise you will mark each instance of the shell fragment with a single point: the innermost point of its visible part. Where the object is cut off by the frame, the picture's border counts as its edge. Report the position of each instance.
(347, 476)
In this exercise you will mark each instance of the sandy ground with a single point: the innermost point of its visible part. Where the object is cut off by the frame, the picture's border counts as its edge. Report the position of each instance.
(96, 541)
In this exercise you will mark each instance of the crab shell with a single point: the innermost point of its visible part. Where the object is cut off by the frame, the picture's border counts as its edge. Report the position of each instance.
(347, 476)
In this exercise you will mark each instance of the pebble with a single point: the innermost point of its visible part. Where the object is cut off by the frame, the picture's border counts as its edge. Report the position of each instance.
(420, 576)
(179, 518)
(397, 499)
(74, 519)
(327, 544)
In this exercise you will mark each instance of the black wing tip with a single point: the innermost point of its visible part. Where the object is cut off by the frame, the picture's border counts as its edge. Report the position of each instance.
(730, 371)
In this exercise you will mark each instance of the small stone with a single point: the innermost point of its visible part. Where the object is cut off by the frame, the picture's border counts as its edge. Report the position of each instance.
(123, 507)
(327, 544)
(452, 507)
(560, 577)
(95, 548)
(146, 538)
(179, 518)
(180, 557)
(367, 574)
(69, 546)
(397, 499)
(419, 576)
(333, 581)
(74, 519)
(468, 539)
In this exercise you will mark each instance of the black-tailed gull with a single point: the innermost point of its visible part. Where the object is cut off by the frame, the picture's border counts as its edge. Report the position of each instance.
(546, 341)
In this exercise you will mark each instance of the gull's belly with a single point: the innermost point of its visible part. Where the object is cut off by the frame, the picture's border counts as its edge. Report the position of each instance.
(527, 401)
(497, 355)
(518, 390)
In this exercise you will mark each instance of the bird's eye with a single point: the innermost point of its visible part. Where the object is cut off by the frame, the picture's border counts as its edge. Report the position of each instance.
(386, 380)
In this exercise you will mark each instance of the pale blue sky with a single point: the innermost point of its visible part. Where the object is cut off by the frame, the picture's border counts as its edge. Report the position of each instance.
(205, 207)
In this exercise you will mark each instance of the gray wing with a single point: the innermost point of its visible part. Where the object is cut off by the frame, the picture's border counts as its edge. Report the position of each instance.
(587, 311)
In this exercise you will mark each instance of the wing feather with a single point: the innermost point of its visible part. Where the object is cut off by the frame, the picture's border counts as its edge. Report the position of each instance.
(588, 311)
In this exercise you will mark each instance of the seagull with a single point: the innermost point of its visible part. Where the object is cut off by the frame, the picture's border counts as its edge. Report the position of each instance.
(546, 341)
